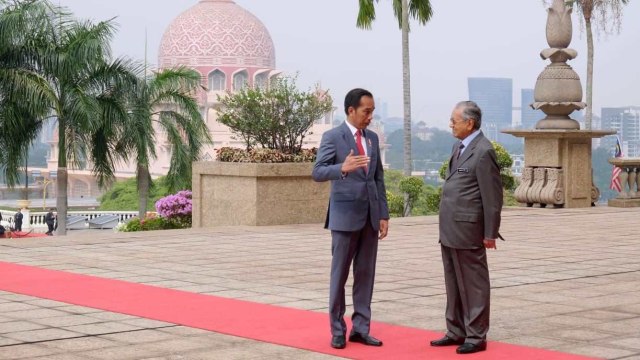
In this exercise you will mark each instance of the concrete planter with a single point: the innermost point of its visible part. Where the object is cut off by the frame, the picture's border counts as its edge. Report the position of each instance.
(257, 194)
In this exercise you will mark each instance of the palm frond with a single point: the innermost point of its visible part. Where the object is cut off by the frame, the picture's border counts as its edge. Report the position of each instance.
(419, 10)
(366, 14)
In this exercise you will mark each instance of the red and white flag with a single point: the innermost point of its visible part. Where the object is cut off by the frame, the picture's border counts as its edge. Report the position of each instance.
(615, 173)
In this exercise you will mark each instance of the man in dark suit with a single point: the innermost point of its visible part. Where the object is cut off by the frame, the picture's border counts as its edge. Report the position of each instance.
(469, 221)
(17, 220)
(50, 220)
(358, 216)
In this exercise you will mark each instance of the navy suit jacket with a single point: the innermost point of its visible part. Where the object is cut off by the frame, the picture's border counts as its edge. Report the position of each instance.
(358, 194)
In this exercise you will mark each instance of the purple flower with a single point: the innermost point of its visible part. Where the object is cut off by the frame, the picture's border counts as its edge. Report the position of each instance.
(175, 206)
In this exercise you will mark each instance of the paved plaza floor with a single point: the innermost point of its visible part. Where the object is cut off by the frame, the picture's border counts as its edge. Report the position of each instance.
(565, 279)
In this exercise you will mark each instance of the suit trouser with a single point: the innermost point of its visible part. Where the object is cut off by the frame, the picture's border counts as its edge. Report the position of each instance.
(361, 247)
(466, 276)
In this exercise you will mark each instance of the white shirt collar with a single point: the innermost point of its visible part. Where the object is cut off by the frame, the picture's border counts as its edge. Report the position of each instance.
(469, 139)
(352, 128)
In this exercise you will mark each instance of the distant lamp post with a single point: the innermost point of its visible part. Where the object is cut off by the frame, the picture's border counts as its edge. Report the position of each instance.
(45, 182)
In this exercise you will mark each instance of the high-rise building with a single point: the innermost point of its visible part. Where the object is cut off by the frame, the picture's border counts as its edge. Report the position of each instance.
(626, 121)
(495, 98)
(529, 116)
(382, 108)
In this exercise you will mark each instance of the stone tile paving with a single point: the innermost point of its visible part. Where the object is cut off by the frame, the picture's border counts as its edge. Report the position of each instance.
(565, 279)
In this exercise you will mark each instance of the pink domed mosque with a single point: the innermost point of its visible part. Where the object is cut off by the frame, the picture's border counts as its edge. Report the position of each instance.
(230, 48)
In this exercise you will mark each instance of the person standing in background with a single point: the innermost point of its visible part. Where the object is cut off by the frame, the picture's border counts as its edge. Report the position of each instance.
(17, 220)
(50, 220)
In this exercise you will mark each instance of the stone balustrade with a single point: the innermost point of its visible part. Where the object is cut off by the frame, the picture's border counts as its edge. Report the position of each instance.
(629, 195)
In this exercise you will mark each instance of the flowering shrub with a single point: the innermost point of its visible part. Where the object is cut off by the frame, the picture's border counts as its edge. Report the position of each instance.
(150, 223)
(175, 205)
(176, 209)
(173, 212)
(229, 154)
(121, 227)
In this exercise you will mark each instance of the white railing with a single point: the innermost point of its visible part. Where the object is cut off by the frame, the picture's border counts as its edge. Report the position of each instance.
(7, 217)
(37, 222)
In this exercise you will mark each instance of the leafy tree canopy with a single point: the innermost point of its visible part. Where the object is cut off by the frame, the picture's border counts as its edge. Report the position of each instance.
(277, 117)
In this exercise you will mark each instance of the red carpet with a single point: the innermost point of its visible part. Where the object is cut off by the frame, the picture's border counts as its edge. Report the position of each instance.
(278, 325)
(22, 234)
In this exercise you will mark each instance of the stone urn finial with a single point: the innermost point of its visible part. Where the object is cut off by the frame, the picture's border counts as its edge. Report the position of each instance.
(559, 27)
(558, 90)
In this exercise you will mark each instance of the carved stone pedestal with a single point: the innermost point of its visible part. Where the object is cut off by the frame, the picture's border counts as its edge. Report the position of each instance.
(558, 167)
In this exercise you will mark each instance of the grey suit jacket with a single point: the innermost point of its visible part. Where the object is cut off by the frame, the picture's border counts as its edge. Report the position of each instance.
(471, 199)
(360, 193)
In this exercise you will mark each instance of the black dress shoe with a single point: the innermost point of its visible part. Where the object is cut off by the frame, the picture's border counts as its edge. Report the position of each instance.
(364, 339)
(338, 342)
(469, 348)
(446, 341)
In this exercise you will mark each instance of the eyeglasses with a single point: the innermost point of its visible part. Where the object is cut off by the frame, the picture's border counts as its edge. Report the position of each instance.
(453, 122)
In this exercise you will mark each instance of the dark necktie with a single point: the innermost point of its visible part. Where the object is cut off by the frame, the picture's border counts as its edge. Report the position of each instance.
(359, 145)
(459, 150)
(456, 156)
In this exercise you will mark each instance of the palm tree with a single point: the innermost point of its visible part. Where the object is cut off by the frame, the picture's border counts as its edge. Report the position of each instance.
(421, 11)
(403, 9)
(165, 101)
(600, 13)
(24, 94)
(84, 88)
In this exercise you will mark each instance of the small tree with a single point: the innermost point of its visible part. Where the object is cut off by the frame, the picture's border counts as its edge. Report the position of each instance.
(504, 163)
(278, 117)
(411, 186)
(395, 204)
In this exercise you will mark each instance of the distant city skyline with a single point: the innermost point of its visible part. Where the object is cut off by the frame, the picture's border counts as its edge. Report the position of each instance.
(495, 97)
(626, 121)
(493, 38)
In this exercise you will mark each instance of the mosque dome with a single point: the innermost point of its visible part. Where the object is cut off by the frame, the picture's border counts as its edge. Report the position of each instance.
(217, 33)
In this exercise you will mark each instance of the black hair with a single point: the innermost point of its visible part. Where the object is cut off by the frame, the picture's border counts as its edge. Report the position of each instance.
(353, 98)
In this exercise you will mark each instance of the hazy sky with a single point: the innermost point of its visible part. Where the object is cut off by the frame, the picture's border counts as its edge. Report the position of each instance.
(465, 38)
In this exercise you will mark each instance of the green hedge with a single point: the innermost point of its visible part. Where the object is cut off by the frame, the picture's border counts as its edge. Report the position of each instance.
(123, 195)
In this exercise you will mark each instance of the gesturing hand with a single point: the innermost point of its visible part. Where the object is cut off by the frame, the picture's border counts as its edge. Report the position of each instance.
(354, 162)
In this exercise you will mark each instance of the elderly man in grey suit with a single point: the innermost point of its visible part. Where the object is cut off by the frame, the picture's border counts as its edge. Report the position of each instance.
(349, 156)
(469, 221)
